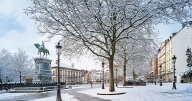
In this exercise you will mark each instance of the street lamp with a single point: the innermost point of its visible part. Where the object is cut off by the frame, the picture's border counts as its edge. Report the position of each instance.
(174, 60)
(155, 77)
(58, 52)
(116, 77)
(151, 77)
(0, 83)
(160, 76)
(103, 75)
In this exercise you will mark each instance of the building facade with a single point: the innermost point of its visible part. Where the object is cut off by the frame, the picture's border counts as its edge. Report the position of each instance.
(181, 41)
(153, 75)
(165, 60)
(68, 74)
(177, 45)
(97, 75)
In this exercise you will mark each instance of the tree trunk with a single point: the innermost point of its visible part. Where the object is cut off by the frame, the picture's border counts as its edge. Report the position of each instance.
(111, 79)
(20, 76)
(134, 75)
(124, 72)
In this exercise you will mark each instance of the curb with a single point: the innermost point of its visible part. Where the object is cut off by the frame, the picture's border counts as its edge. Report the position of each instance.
(125, 87)
(111, 93)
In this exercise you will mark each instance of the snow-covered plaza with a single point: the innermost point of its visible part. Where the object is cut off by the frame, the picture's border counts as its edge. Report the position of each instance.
(150, 92)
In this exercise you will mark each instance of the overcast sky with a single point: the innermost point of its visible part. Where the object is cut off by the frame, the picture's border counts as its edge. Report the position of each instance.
(17, 30)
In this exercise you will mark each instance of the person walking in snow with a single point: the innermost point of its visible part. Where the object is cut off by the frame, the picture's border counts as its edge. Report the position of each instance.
(91, 82)
(5, 87)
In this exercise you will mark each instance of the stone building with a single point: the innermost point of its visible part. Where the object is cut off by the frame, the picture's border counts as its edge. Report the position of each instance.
(68, 74)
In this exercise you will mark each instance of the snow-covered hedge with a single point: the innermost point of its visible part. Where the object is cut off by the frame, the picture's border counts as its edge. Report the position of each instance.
(140, 79)
(186, 72)
(129, 80)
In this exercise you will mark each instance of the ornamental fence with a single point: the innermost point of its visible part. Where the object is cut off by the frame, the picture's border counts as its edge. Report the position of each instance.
(13, 85)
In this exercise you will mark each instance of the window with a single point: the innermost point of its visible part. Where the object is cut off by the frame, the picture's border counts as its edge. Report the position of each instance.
(60, 72)
(53, 73)
(61, 79)
(54, 79)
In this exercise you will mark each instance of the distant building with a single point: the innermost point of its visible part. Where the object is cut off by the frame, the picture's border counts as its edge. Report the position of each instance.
(27, 79)
(153, 75)
(97, 75)
(68, 74)
(87, 78)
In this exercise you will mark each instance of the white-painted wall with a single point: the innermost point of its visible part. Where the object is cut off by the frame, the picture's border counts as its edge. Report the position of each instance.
(181, 41)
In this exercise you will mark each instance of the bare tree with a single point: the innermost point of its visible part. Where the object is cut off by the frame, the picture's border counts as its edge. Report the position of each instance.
(5, 64)
(21, 63)
(98, 25)
(129, 50)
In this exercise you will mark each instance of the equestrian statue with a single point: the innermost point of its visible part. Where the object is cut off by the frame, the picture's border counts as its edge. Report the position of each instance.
(41, 48)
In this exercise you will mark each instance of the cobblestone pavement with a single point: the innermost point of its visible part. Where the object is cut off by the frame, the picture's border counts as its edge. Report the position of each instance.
(74, 92)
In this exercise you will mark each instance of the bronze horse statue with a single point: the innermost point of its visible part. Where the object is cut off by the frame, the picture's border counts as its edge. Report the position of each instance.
(42, 49)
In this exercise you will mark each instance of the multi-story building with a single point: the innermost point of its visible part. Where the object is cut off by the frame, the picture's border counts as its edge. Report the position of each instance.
(177, 45)
(97, 75)
(153, 75)
(93, 75)
(68, 74)
(165, 60)
(87, 78)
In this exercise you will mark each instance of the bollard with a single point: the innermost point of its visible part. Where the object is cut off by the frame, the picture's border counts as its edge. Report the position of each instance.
(64, 86)
(44, 89)
(70, 86)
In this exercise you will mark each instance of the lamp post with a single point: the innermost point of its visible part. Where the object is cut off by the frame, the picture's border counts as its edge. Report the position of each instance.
(103, 75)
(107, 80)
(58, 52)
(160, 76)
(0, 83)
(155, 77)
(151, 77)
(174, 60)
(116, 78)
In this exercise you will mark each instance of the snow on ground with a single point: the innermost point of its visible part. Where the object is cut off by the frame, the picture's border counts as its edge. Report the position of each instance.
(4, 95)
(150, 92)
(65, 97)
(147, 93)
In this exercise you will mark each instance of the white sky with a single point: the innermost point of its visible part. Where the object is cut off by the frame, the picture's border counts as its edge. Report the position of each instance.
(17, 30)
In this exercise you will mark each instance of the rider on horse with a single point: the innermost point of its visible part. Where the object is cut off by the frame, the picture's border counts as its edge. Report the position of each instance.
(42, 44)
(41, 48)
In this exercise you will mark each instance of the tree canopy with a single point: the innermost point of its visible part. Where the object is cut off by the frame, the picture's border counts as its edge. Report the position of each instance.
(11, 65)
(187, 72)
(97, 26)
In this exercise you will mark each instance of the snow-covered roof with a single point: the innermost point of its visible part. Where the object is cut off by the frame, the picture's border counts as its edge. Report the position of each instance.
(62, 65)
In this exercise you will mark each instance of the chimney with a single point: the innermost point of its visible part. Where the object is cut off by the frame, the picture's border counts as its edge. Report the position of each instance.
(56, 62)
(72, 65)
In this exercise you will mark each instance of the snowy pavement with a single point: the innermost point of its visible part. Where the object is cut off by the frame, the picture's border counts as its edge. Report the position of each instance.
(150, 92)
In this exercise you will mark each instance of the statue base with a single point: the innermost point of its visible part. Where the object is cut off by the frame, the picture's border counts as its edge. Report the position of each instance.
(42, 70)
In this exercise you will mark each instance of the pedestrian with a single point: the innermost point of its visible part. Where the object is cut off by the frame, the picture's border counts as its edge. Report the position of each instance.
(5, 87)
(91, 82)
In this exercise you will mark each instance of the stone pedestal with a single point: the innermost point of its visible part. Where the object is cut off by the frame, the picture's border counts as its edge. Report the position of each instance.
(42, 70)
